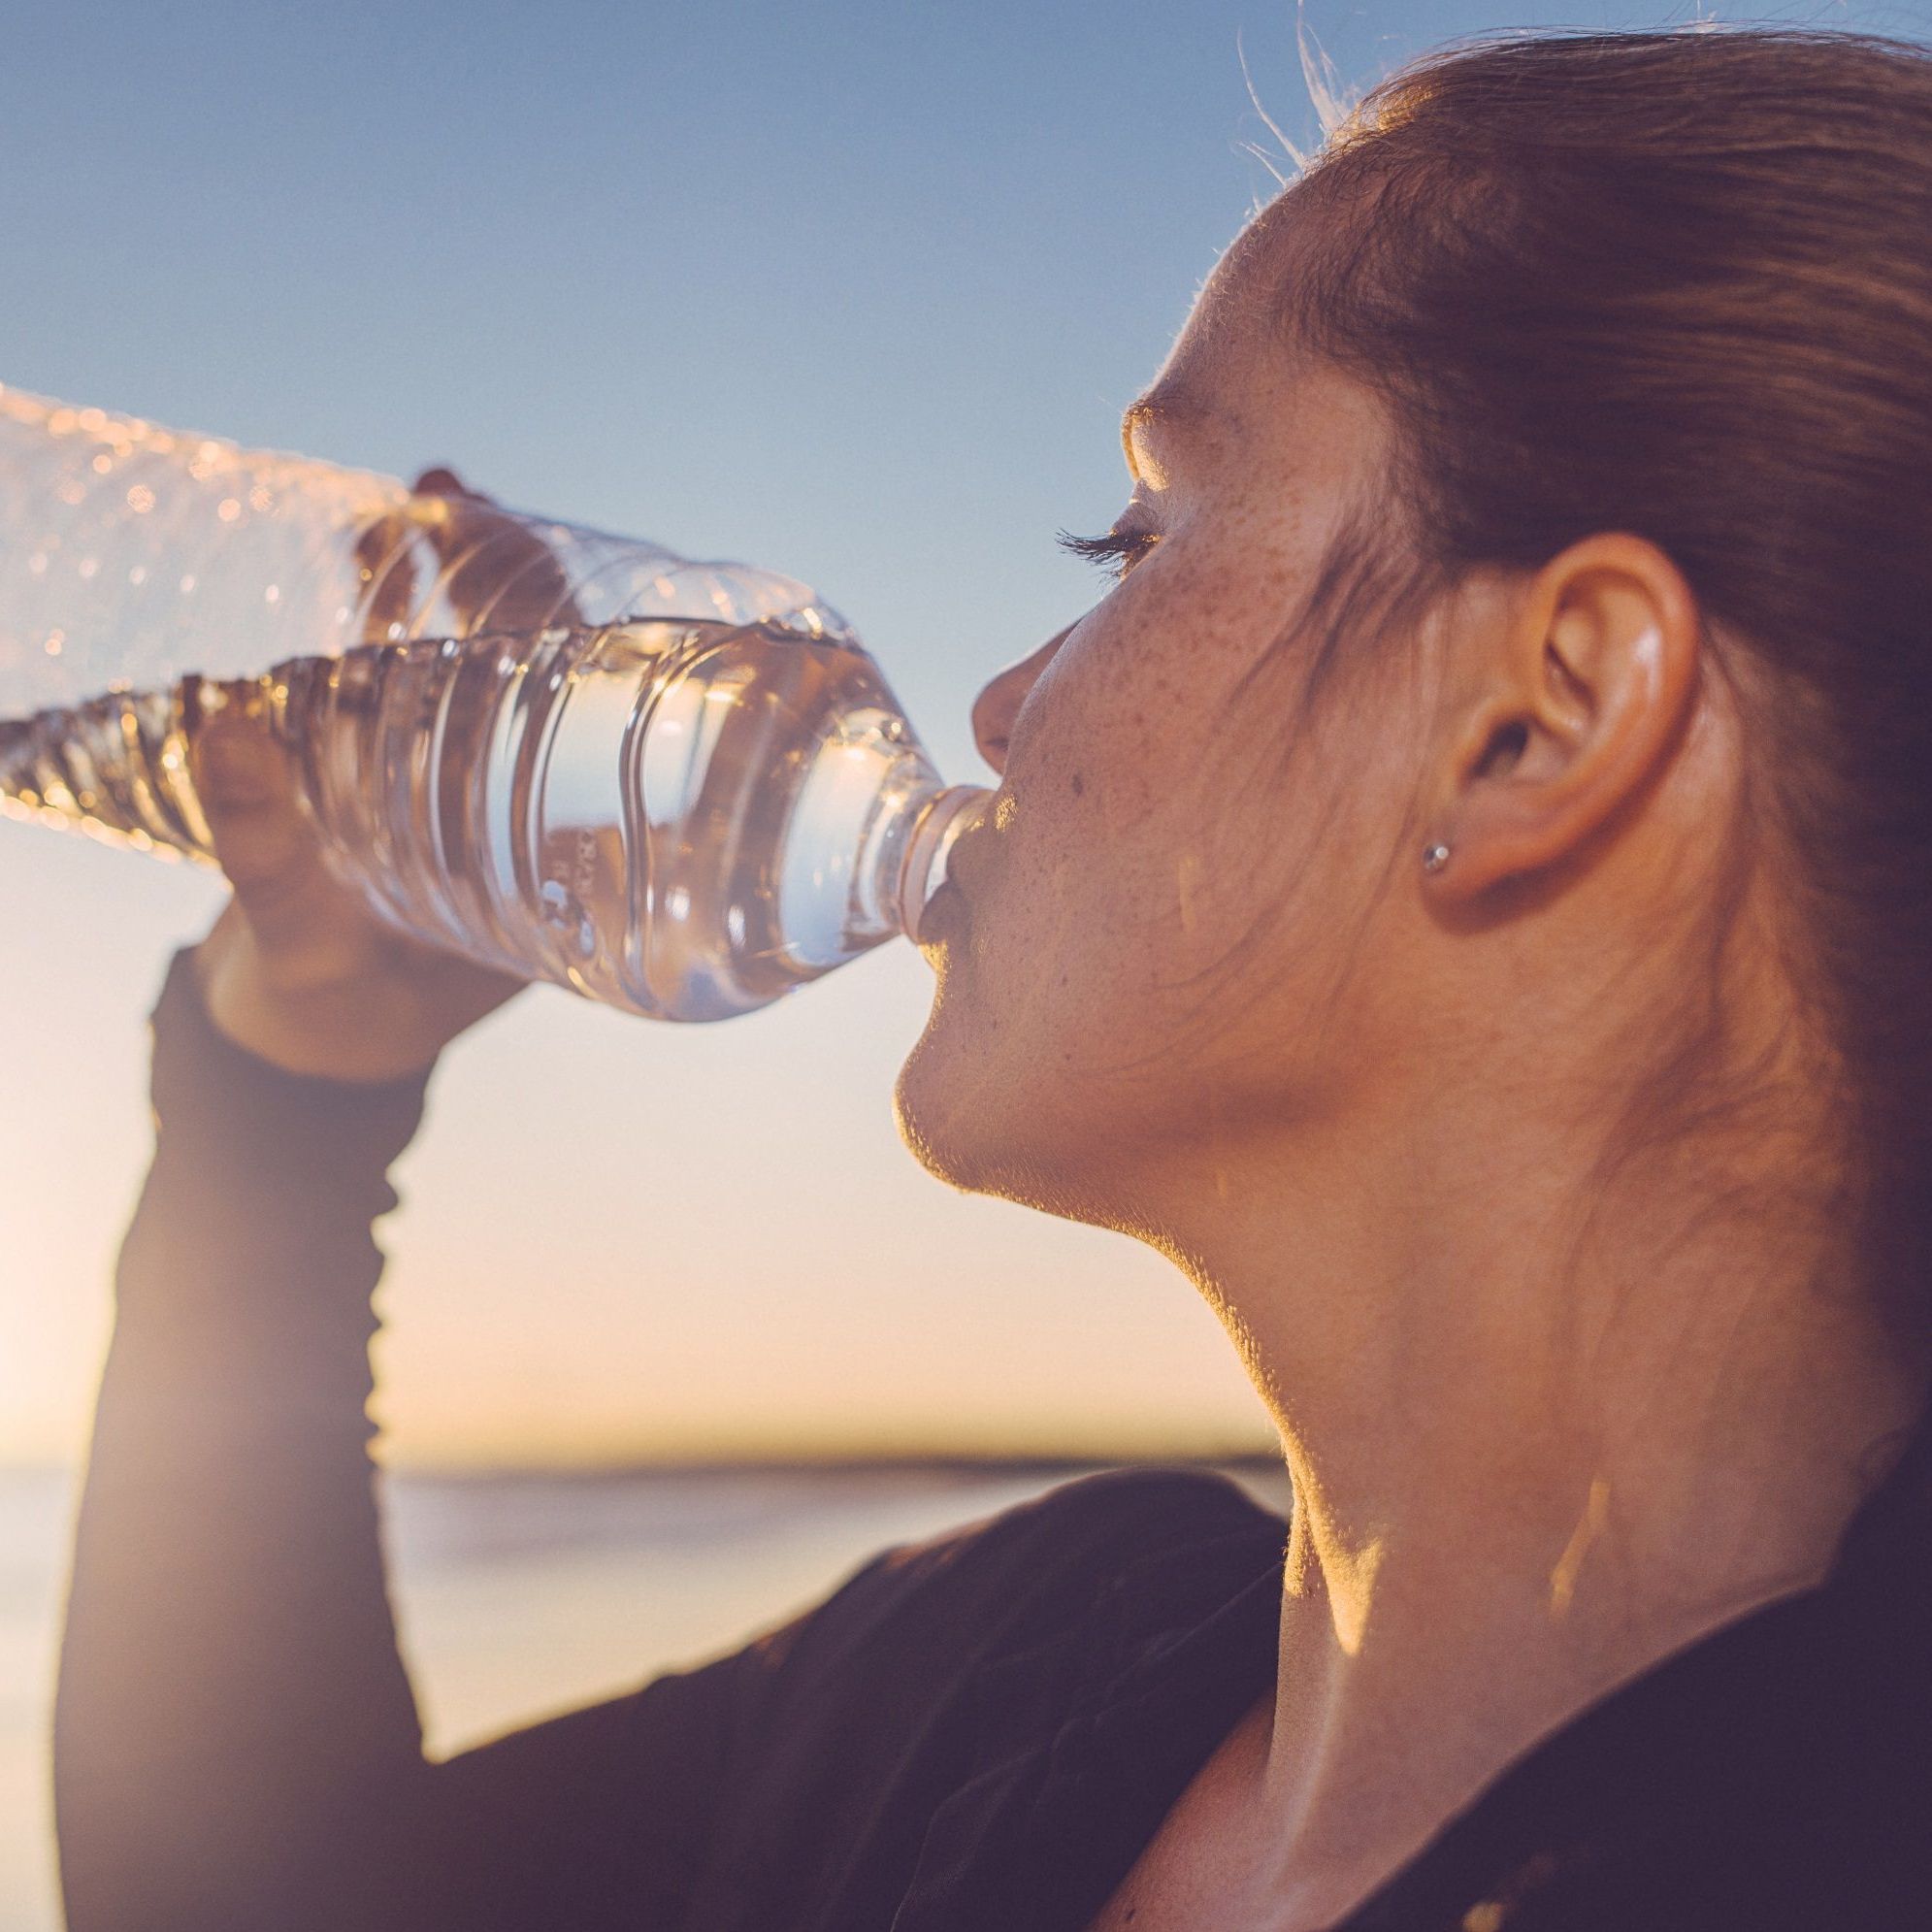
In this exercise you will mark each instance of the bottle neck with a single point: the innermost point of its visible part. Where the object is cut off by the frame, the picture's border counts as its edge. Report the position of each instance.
(922, 870)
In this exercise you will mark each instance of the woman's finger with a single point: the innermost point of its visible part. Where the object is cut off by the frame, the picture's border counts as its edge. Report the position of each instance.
(264, 839)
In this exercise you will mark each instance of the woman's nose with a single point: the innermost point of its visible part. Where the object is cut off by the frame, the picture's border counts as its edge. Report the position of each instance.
(998, 703)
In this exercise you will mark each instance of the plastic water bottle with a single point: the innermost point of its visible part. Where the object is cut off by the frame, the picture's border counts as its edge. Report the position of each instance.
(681, 788)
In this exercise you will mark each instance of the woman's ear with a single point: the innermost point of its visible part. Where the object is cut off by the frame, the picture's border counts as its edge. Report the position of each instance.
(1577, 697)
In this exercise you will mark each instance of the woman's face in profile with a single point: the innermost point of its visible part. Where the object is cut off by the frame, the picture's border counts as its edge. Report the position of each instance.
(1099, 1030)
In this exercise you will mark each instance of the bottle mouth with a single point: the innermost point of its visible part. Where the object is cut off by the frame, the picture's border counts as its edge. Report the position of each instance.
(931, 845)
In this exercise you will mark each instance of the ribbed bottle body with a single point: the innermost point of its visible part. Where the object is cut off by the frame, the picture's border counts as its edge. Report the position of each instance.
(682, 820)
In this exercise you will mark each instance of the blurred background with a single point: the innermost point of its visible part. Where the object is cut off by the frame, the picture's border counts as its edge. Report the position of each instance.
(676, 1331)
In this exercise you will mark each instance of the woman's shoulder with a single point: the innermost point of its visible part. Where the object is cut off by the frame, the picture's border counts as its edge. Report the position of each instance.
(879, 1743)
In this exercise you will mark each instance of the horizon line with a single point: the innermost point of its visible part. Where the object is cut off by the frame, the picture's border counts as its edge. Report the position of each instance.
(764, 1463)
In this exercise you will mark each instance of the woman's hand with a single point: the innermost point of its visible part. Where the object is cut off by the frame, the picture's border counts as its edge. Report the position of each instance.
(298, 970)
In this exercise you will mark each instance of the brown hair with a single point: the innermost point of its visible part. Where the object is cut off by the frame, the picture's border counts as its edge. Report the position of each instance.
(1679, 283)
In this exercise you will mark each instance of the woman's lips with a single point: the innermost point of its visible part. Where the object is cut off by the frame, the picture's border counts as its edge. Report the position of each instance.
(945, 909)
(959, 859)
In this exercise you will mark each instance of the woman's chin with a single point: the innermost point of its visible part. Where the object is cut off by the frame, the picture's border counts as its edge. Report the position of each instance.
(929, 1106)
(959, 1108)
(978, 1126)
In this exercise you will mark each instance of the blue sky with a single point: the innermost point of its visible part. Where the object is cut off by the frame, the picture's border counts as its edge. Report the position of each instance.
(855, 291)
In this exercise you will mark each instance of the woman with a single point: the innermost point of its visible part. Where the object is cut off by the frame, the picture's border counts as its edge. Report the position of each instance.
(1480, 855)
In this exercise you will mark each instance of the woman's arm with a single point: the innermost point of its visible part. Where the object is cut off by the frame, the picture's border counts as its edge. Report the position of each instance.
(236, 1741)
(231, 1710)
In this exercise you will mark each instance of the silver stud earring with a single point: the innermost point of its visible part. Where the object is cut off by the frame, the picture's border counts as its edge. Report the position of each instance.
(1435, 858)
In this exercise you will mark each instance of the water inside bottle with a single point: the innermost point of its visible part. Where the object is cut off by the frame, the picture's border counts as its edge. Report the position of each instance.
(682, 819)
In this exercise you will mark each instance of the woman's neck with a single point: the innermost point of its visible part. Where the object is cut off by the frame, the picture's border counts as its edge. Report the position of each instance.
(1533, 1455)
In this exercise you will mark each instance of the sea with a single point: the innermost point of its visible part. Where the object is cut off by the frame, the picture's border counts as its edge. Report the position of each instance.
(522, 1594)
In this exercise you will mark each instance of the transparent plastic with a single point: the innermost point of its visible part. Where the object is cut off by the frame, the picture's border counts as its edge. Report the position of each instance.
(681, 788)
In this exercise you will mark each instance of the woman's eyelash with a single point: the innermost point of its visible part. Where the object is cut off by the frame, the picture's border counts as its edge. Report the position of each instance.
(1116, 553)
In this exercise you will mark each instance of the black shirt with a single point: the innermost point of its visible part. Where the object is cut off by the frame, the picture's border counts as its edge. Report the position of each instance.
(974, 1734)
